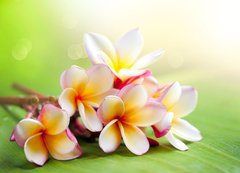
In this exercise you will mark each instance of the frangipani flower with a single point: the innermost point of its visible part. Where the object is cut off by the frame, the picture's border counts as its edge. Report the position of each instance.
(48, 134)
(122, 57)
(150, 83)
(85, 90)
(124, 115)
(180, 101)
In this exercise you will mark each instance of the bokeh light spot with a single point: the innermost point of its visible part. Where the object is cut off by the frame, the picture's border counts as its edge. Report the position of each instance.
(21, 49)
(75, 51)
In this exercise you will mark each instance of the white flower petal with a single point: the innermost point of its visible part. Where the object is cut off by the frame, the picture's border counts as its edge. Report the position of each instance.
(176, 142)
(96, 100)
(35, 150)
(25, 129)
(105, 59)
(151, 85)
(111, 108)
(89, 117)
(110, 137)
(63, 146)
(162, 127)
(128, 47)
(75, 77)
(100, 80)
(185, 130)
(54, 119)
(134, 139)
(94, 43)
(67, 101)
(125, 74)
(186, 103)
(151, 113)
(171, 95)
(148, 59)
(133, 96)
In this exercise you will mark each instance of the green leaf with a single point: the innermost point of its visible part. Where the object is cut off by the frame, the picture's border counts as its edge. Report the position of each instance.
(216, 117)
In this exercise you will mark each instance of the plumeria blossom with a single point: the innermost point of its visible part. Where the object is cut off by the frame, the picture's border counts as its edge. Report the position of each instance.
(47, 134)
(150, 83)
(119, 84)
(84, 90)
(117, 97)
(179, 101)
(124, 115)
(123, 56)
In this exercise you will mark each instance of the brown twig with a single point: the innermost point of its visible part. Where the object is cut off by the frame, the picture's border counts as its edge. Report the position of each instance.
(27, 90)
(29, 100)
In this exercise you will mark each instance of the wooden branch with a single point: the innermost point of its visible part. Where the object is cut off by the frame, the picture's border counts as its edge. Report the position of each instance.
(29, 100)
(27, 90)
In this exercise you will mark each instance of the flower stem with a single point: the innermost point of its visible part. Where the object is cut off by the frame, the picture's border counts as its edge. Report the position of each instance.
(79, 129)
(26, 90)
(29, 100)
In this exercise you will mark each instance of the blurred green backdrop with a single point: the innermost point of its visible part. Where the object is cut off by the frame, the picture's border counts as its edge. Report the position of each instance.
(39, 39)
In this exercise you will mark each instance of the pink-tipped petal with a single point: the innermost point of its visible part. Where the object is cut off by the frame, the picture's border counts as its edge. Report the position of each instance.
(161, 92)
(100, 80)
(171, 95)
(54, 119)
(128, 47)
(153, 142)
(94, 43)
(176, 142)
(134, 139)
(12, 138)
(110, 137)
(149, 114)
(186, 103)
(161, 128)
(63, 146)
(67, 101)
(133, 96)
(135, 81)
(111, 108)
(148, 59)
(89, 117)
(35, 150)
(96, 100)
(185, 130)
(124, 74)
(138, 79)
(151, 85)
(75, 77)
(25, 129)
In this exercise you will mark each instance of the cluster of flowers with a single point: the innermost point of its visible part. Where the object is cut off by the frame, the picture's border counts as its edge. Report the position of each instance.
(116, 97)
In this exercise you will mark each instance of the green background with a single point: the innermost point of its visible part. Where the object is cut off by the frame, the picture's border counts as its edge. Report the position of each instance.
(35, 47)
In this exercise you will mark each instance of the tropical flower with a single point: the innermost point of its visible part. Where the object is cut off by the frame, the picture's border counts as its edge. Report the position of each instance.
(179, 101)
(48, 134)
(124, 115)
(122, 57)
(150, 83)
(84, 90)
